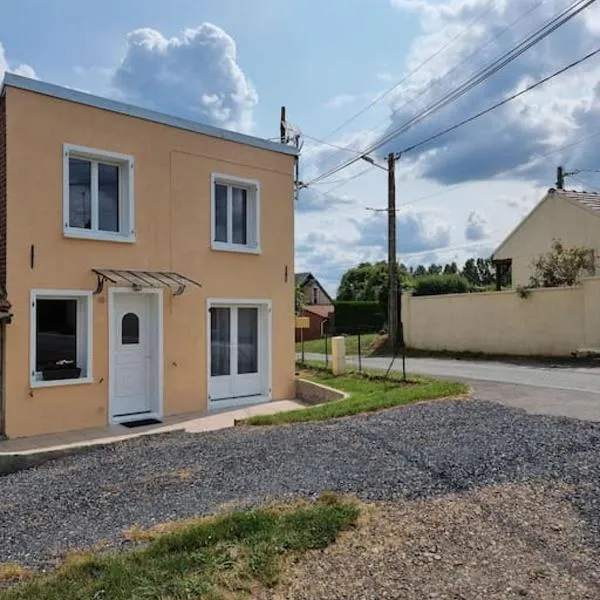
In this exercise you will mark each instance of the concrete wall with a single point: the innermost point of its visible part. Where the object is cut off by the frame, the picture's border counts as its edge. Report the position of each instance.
(315, 393)
(553, 321)
(554, 218)
(173, 171)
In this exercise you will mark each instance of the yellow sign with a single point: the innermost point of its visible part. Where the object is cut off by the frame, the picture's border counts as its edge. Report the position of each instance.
(302, 323)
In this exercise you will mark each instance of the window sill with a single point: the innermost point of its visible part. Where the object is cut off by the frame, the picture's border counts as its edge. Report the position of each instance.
(99, 236)
(59, 382)
(222, 247)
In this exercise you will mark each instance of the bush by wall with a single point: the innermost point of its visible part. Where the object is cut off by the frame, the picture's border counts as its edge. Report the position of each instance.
(352, 317)
(435, 285)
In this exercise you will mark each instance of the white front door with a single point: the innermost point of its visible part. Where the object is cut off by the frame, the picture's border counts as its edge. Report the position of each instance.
(132, 390)
(238, 353)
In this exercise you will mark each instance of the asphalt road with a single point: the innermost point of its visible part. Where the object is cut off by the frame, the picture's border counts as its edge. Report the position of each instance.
(571, 391)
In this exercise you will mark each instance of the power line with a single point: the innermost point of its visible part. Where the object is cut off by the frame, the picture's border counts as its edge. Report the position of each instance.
(504, 101)
(434, 84)
(520, 167)
(451, 188)
(467, 58)
(414, 71)
(586, 186)
(530, 41)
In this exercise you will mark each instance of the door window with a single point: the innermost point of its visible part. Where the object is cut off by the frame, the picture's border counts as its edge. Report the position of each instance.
(247, 341)
(220, 341)
(130, 329)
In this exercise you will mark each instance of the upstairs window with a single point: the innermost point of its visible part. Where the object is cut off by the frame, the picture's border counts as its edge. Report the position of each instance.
(235, 214)
(98, 195)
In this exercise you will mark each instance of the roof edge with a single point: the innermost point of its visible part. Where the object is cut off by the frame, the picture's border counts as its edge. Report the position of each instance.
(130, 110)
(522, 222)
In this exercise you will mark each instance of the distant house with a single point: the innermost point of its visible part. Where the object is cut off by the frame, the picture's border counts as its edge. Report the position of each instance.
(318, 306)
(569, 216)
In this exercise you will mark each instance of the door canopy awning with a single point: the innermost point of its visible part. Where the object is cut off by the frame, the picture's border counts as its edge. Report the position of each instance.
(139, 279)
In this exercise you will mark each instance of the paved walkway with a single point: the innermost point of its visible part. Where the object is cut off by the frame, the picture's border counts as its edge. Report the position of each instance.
(559, 390)
(192, 423)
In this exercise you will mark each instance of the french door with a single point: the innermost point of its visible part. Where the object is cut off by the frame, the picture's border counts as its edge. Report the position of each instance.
(238, 352)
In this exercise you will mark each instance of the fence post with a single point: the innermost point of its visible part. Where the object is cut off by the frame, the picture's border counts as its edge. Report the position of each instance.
(326, 350)
(359, 357)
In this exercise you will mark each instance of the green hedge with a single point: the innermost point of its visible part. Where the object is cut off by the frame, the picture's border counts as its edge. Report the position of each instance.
(434, 285)
(352, 317)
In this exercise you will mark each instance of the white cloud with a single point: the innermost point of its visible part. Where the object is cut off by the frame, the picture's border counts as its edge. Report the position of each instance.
(475, 34)
(477, 227)
(416, 232)
(21, 69)
(196, 76)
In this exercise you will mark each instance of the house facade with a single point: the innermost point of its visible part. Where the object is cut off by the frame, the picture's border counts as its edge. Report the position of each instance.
(314, 293)
(317, 307)
(569, 216)
(148, 261)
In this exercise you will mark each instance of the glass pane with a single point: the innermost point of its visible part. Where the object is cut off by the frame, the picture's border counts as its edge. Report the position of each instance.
(108, 197)
(130, 329)
(220, 213)
(238, 214)
(56, 332)
(80, 196)
(247, 340)
(220, 341)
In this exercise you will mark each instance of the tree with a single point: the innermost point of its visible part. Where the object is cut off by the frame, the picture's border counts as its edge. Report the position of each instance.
(368, 282)
(479, 272)
(485, 270)
(434, 269)
(353, 285)
(562, 267)
(470, 272)
(451, 269)
(420, 271)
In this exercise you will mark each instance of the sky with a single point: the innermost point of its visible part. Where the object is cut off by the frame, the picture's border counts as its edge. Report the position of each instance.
(350, 72)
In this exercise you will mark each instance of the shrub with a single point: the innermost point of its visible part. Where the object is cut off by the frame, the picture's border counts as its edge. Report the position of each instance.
(435, 285)
(353, 317)
(562, 266)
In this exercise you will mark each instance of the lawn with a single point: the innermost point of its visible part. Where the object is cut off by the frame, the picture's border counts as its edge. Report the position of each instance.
(368, 392)
(368, 342)
(212, 558)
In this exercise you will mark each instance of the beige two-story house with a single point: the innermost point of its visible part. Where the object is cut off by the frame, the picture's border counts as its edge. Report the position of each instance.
(148, 261)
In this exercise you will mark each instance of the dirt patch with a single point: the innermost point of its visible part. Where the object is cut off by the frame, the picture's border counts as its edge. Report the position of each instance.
(495, 543)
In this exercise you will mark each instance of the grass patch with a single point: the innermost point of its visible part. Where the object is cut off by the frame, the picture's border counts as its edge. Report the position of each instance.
(368, 343)
(214, 558)
(369, 391)
(12, 572)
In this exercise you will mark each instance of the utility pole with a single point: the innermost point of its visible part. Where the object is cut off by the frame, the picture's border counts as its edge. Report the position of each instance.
(392, 266)
(282, 126)
(560, 178)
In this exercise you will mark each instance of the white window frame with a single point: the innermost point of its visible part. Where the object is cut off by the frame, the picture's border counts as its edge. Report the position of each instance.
(253, 199)
(84, 335)
(125, 163)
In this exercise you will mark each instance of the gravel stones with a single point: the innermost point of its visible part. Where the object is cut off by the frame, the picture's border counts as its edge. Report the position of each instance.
(414, 452)
(503, 542)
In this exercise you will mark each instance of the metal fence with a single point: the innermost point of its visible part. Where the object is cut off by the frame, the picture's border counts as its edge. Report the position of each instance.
(357, 347)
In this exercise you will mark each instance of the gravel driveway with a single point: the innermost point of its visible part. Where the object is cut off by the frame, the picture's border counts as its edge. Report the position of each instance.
(415, 453)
